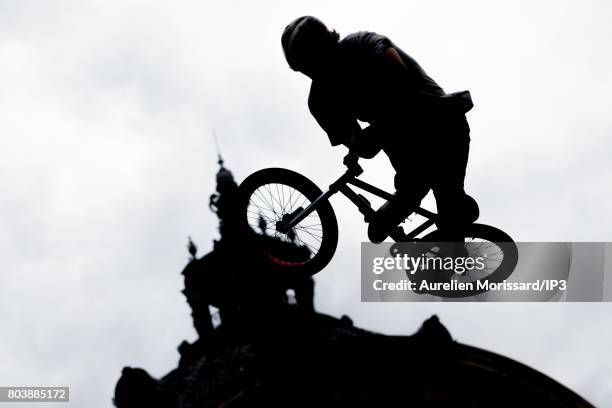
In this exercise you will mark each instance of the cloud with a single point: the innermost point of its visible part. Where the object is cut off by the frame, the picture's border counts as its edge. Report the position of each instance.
(107, 161)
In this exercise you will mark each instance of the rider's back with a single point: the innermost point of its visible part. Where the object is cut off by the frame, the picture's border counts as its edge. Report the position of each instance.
(364, 53)
(367, 84)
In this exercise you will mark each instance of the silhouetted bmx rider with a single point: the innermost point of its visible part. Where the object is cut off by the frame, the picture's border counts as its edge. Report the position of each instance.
(422, 129)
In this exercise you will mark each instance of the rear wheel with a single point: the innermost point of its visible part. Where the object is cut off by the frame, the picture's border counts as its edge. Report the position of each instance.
(270, 196)
(496, 251)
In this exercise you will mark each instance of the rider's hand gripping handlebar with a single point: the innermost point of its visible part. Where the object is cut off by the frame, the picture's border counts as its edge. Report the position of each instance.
(351, 161)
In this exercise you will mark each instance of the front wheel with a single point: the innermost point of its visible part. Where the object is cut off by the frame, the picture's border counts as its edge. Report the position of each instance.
(271, 196)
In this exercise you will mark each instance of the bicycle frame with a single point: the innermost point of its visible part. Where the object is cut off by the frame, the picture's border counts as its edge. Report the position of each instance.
(342, 185)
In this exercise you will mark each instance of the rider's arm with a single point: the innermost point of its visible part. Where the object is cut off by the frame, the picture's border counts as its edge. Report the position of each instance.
(339, 124)
(366, 143)
(395, 57)
(398, 80)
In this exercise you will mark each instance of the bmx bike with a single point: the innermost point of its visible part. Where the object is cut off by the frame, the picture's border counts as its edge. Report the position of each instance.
(284, 205)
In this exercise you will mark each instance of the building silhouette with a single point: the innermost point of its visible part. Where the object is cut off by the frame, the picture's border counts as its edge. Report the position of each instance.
(267, 346)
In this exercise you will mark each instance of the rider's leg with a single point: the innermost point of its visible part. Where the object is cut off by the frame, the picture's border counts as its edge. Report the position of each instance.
(451, 222)
(411, 179)
(451, 215)
(407, 197)
(448, 185)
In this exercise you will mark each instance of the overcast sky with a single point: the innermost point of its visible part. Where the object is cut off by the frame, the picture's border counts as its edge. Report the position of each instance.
(107, 161)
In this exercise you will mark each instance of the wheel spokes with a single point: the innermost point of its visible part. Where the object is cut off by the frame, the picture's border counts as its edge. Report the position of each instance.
(267, 206)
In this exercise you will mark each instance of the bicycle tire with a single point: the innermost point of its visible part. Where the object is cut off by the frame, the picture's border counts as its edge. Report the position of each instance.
(291, 180)
(493, 235)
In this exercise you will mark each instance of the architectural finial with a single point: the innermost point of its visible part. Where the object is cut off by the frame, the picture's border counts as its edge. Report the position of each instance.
(192, 248)
(219, 158)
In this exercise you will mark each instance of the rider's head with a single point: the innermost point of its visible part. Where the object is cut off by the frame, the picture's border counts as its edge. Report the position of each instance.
(309, 45)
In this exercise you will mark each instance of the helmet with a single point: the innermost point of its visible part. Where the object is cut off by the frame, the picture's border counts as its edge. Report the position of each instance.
(302, 38)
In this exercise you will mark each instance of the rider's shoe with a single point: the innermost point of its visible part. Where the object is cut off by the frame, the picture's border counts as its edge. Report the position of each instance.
(387, 217)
